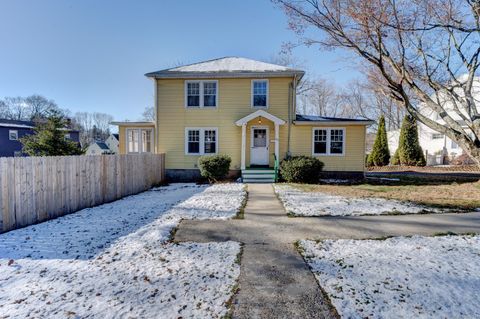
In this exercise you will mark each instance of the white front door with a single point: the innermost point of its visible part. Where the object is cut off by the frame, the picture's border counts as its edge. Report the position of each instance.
(259, 146)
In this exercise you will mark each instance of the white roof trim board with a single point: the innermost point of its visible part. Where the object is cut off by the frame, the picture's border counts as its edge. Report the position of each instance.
(127, 123)
(333, 122)
(262, 113)
(15, 125)
(226, 67)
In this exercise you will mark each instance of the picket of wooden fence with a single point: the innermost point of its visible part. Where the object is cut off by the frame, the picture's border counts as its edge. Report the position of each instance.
(35, 189)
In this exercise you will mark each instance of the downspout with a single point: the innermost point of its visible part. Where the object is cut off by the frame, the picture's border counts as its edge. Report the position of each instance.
(291, 109)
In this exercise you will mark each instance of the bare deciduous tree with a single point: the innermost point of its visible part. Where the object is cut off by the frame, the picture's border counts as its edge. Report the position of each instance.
(148, 114)
(426, 53)
(92, 126)
(27, 108)
(39, 106)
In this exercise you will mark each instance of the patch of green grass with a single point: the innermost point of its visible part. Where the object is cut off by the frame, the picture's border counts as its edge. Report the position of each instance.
(374, 188)
(299, 247)
(241, 210)
(173, 231)
(449, 233)
(235, 288)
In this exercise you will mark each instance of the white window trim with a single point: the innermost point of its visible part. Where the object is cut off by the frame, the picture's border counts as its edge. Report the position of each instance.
(328, 129)
(16, 135)
(201, 106)
(202, 140)
(152, 146)
(251, 94)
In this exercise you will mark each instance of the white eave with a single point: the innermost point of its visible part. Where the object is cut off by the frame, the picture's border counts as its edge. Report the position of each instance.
(227, 67)
(336, 123)
(128, 123)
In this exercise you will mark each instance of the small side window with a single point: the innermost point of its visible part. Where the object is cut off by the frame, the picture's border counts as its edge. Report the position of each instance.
(210, 142)
(209, 94)
(320, 142)
(260, 93)
(336, 142)
(193, 142)
(13, 135)
(193, 94)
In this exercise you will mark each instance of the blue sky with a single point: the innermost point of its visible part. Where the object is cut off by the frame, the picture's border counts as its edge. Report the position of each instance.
(92, 55)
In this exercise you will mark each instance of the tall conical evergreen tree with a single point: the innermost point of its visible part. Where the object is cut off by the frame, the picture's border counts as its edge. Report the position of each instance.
(409, 152)
(49, 139)
(380, 155)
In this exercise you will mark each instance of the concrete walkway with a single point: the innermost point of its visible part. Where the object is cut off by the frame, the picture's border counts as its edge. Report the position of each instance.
(274, 280)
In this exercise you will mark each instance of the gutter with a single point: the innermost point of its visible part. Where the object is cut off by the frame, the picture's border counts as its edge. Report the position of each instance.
(213, 75)
(338, 123)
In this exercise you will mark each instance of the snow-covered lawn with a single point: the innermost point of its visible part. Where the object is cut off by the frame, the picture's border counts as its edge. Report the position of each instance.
(417, 277)
(301, 203)
(115, 260)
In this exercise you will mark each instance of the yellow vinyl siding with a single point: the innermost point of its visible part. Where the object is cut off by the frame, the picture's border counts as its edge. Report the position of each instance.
(354, 157)
(234, 102)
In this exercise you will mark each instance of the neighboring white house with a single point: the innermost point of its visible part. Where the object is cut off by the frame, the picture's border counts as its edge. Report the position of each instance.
(113, 142)
(436, 145)
(98, 148)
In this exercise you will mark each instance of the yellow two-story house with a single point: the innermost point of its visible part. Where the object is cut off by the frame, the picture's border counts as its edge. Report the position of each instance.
(245, 109)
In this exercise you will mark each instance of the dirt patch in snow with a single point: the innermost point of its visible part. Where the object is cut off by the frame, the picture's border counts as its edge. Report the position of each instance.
(448, 195)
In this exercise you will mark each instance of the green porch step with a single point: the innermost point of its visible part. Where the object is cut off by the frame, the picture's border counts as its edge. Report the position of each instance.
(258, 175)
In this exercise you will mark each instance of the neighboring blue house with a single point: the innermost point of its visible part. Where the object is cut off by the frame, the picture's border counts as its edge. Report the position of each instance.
(12, 130)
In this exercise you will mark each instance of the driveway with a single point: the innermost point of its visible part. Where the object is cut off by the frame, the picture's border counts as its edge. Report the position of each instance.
(274, 280)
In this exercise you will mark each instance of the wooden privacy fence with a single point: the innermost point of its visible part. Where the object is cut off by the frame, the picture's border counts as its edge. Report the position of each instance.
(35, 189)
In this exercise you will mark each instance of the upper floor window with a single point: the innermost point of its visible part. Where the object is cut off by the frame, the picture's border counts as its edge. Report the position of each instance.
(260, 93)
(200, 141)
(328, 141)
(139, 140)
(437, 136)
(201, 93)
(13, 135)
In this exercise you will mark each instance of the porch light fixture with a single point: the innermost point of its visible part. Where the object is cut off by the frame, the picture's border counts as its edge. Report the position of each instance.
(259, 120)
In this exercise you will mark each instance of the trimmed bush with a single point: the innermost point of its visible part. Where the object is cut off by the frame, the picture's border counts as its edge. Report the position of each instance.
(301, 169)
(409, 152)
(380, 155)
(214, 167)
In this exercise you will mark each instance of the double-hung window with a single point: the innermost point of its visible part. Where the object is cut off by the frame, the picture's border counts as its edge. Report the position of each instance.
(13, 135)
(328, 141)
(320, 141)
(139, 140)
(201, 94)
(260, 93)
(199, 141)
